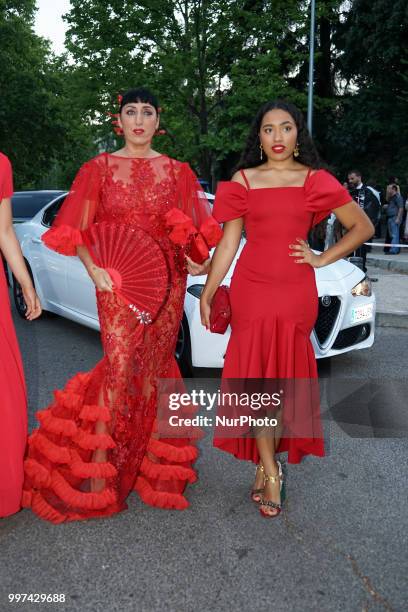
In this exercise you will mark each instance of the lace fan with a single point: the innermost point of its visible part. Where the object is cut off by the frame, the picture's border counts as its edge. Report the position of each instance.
(135, 263)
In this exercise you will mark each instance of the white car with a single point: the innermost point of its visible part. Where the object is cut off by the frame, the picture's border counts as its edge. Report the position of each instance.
(346, 319)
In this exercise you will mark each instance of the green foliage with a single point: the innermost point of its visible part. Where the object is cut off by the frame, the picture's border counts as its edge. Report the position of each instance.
(34, 128)
(372, 113)
(212, 64)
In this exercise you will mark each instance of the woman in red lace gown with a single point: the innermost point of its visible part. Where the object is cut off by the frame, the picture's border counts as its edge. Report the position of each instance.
(97, 440)
(13, 406)
(278, 194)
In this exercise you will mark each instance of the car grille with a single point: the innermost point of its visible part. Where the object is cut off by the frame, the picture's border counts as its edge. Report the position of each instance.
(351, 335)
(326, 318)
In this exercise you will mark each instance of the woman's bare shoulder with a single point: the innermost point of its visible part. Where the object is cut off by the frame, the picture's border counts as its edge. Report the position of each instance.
(238, 178)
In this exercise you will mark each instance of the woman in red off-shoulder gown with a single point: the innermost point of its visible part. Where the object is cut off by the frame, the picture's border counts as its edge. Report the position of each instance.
(13, 403)
(97, 440)
(279, 196)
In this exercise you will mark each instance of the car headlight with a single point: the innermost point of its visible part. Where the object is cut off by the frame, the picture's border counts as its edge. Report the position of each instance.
(362, 288)
(196, 290)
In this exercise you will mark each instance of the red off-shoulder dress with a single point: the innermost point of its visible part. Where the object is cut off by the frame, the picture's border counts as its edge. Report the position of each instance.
(13, 406)
(274, 301)
(163, 197)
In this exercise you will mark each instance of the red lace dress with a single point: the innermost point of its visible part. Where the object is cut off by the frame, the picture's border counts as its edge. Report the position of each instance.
(110, 411)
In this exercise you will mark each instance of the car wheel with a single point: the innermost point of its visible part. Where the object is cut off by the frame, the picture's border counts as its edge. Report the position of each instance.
(18, 296)
(183, 349)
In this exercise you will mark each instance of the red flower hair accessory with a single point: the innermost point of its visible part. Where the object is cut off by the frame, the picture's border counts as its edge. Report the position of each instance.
(115, 117)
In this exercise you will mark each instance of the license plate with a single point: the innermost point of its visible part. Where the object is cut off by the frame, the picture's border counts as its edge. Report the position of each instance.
(360, 313)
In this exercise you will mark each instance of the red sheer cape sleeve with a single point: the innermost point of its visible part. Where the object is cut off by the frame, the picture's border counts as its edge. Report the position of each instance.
(77, 212)
(323, 194)
(6, 177)
(190, 222)
(231, 201)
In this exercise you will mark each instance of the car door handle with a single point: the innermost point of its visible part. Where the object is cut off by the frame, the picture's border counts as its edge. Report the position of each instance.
(36, 240)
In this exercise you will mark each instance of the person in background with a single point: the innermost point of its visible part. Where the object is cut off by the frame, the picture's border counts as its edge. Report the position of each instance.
(405, 232)
(330, 238)
(368, 199)
(394, 212)
(13, 406)
(395, 179)
(391, 180)
(379, 192)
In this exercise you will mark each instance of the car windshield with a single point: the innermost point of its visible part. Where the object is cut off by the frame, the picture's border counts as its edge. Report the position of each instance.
(26, 205)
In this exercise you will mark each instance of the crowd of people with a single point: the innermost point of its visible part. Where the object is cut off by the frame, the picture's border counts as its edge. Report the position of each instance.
(386, 208)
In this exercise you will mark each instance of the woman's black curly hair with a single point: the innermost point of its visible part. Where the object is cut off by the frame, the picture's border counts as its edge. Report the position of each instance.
(308, 154)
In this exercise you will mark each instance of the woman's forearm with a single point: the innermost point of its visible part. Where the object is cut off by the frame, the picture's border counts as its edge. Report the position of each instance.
(86, 258)
(10, 247)
(99, 276)
(220, 264)
(353, 239)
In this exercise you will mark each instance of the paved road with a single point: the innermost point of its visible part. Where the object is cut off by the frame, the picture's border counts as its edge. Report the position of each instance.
(391, 290)
(338, 546)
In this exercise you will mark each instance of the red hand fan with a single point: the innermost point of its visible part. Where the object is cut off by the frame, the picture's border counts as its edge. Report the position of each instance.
(135, 263)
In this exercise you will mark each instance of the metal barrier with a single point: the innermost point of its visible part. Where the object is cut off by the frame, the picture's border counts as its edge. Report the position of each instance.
(387, 244)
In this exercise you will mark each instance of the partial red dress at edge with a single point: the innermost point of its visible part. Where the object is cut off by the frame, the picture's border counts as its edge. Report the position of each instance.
(13, 404)
(163, 197)
(274, 301)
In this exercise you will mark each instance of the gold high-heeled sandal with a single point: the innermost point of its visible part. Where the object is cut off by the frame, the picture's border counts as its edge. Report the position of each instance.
(270, 504)
(257, 492)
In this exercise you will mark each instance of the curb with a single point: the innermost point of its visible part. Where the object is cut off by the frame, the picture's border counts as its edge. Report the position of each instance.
(388, 264)
(391, 319)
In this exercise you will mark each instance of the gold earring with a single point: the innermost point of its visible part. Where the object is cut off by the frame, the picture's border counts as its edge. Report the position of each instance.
(296, 151)
(261, 149)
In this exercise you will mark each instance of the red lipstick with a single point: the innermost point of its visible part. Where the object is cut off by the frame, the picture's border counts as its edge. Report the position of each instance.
(278, 148)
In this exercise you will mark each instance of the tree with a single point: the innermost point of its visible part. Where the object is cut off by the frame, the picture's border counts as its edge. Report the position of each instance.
(212, 64)
(374, 106)
(34, 118)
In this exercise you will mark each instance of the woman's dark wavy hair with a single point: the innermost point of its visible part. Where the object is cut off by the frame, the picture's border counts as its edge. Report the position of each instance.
(308, 154)
(139, 94)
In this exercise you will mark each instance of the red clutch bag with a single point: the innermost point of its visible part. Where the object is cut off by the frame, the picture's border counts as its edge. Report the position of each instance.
(220, 315)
